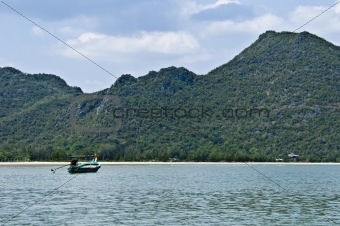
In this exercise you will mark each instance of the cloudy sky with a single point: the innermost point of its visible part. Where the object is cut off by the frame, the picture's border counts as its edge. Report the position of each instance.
(137, 36)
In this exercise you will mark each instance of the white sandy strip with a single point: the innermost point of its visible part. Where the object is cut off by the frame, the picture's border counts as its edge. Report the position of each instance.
(161, 163)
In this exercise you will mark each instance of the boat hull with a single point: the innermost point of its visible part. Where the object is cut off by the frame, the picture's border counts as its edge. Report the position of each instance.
(84, 168)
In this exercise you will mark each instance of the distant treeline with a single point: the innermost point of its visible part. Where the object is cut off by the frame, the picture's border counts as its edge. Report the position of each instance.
(116, 153)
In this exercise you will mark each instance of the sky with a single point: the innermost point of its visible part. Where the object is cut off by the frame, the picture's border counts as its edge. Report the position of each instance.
(138, 36)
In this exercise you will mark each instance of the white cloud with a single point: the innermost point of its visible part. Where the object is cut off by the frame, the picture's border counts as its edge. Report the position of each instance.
(256, 25)
(114, 48)
(302, 14)
(326, 24)
(192, 7)
(337, 9)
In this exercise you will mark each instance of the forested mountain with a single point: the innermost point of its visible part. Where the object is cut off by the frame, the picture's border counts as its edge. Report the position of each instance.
(279, 95)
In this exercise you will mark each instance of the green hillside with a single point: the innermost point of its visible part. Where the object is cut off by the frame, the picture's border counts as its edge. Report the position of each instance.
(279, 95)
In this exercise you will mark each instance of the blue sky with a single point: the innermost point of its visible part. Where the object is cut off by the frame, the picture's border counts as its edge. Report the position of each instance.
(137, 36)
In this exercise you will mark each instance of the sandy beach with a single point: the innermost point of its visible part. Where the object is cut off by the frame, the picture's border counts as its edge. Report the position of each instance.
(162, 163)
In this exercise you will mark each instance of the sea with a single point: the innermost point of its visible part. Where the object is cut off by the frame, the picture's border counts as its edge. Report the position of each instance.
(207, 194)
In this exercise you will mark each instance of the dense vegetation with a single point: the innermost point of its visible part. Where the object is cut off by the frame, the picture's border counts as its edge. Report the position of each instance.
(280, 95)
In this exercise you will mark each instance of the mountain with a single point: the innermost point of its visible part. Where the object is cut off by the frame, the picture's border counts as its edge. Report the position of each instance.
(279, 95)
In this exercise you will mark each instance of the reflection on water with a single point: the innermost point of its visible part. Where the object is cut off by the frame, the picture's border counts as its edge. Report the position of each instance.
(173, 195)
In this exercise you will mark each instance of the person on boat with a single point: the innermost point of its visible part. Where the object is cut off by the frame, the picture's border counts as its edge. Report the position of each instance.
(74, 162)
(95, 157)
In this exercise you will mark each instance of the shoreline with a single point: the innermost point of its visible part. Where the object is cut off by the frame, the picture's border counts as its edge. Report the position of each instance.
(166, 163)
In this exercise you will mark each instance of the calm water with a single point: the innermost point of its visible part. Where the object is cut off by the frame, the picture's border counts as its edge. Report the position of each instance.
(173, 195)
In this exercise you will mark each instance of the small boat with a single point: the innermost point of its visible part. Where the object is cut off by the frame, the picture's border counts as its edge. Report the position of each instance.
(86, 167)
